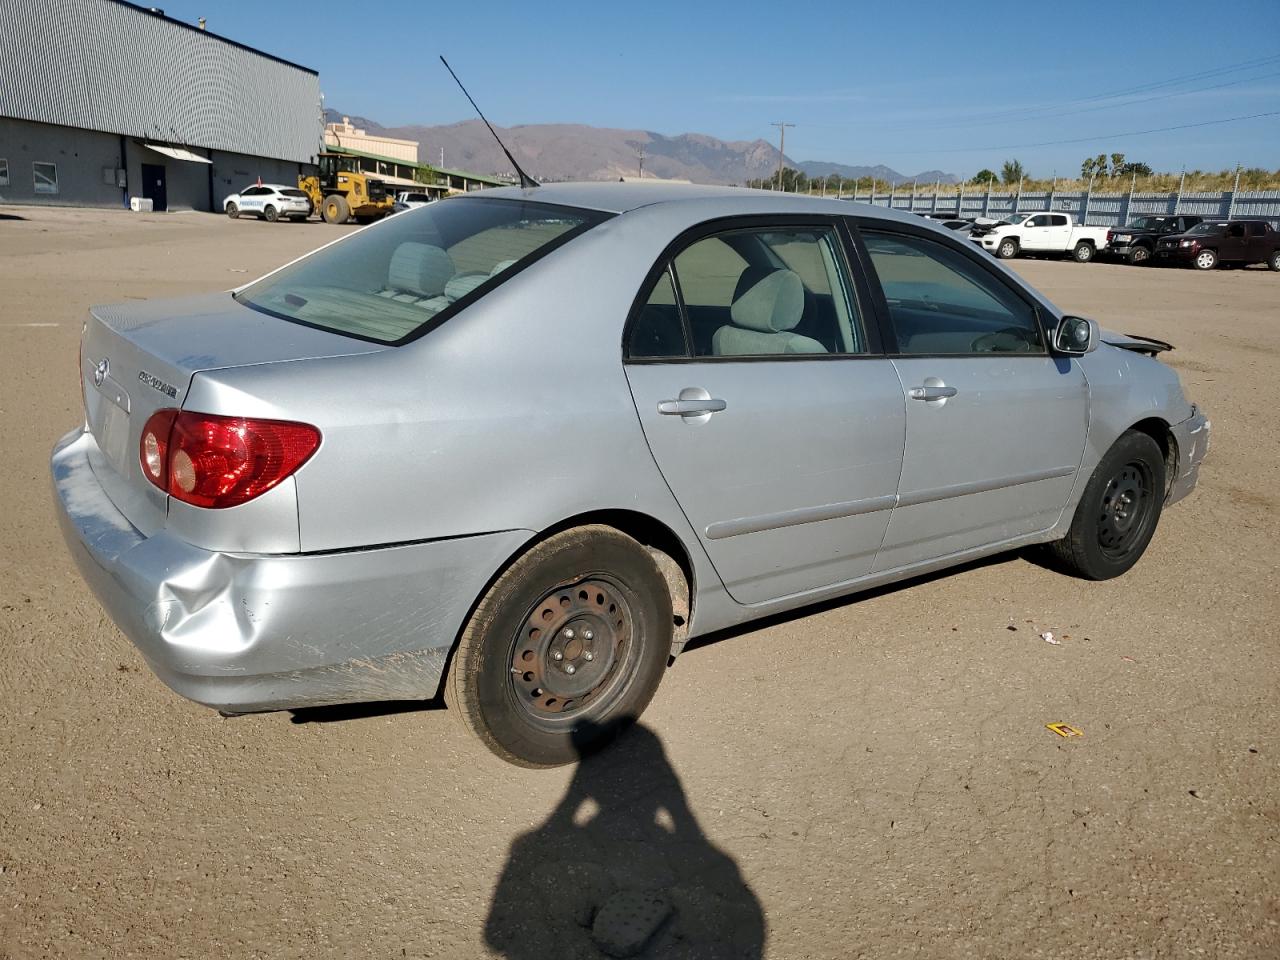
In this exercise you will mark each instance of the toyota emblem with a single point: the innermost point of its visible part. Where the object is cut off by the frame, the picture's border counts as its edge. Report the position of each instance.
(100, 371)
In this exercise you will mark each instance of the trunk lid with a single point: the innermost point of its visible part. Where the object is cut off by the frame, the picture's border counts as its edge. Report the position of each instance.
(137, 358)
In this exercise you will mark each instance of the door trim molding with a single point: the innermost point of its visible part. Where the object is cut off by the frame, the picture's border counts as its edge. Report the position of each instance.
(723, 529)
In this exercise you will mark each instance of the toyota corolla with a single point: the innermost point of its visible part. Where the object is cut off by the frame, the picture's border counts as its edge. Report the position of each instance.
(519, 448)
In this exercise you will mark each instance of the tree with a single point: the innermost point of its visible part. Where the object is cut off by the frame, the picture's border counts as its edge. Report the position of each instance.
(1133, 167)
(1117, 164)
(1011, 172)
(983, 176)
(1094, 167)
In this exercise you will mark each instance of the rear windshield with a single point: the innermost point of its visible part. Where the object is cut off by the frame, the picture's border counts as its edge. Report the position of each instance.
(417, 197)
(292, 192)
(389, 282)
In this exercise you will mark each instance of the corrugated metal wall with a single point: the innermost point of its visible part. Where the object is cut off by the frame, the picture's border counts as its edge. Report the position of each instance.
(104, 65)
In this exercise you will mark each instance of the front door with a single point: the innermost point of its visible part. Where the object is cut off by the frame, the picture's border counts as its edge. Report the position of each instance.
(776, 424)
(1045, 231)
(153, 185)
(1233, 244)
(995, 425)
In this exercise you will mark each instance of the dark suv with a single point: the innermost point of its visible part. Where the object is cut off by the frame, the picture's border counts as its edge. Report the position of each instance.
(1137, 241)
(1232, 242)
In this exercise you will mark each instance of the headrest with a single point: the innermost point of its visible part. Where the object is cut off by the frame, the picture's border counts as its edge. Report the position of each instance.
(500, 266)
(463, 284)
(771, 305)
(420, 268)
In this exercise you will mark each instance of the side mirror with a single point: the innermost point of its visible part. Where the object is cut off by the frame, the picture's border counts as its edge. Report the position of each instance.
(1076, 336)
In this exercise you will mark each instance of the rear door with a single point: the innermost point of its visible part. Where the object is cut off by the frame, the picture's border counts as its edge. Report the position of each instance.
(1258, 241)
(1233, 245)
(995, 425)
(773, 416)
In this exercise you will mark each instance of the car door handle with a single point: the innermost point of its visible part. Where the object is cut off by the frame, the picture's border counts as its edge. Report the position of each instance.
(931, 393)
(685, 408)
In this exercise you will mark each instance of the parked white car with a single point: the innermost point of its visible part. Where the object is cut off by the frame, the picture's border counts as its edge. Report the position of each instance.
(1042, 232)
(406, 200)
(269, 201)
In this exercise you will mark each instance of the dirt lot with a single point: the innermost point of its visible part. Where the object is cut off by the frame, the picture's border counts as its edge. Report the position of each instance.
(872, 778)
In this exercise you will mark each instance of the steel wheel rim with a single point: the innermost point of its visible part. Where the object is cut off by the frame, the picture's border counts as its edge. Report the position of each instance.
(1140, 254)
(1127, 505)
(572, 651)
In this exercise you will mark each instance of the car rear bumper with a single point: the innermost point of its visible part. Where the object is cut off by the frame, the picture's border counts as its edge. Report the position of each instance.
(1192, 439)
(267, 632)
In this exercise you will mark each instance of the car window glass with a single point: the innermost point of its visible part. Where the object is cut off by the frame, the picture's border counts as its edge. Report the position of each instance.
(1041, 221)
(1256, 229)
(768, 291)
(1059, 220)
(658, 330)
(941, 302)
(1236, 230)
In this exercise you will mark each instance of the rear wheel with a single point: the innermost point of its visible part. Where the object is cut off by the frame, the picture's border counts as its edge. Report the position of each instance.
(335, 209)
(566, 648)
(1007, 250)
(233, 211)
(1205, 260)
(1083, 252)
(1274, 262)
(1118, 512)
(270, 214)
(1139, 256)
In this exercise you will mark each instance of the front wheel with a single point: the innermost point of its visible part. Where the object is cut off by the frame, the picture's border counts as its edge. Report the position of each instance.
(566, 648)
(1139, 256)
(1205, 260)
(233, 211)
(335, 209)
(1007, 250)
(1118, 512)
(1083, 252)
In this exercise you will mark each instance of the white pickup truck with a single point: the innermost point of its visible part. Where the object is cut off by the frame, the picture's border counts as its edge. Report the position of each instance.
(1041, 232)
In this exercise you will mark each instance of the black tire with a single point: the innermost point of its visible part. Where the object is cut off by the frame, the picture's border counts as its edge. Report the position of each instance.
(1274, 262)
(1007, 249)
(1205, 260)
(270, 214)
(564, 649)
(1139, 256)
(1083, 252)
(1118, 513)
(335, 209)
(233, 211)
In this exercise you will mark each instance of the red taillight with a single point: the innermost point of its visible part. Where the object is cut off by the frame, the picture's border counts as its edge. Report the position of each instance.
(1111, 234)
(213, 461)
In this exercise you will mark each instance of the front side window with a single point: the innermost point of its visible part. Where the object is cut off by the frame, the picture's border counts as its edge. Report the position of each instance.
(1040, 221)
(942, 303)
(385, 283)
(768, 291)
(45, 176)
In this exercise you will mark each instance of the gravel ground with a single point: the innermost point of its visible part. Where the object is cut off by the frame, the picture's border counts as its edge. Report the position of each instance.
(869, 778)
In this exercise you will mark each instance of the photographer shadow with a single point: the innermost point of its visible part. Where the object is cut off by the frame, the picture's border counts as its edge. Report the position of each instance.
(621, 868)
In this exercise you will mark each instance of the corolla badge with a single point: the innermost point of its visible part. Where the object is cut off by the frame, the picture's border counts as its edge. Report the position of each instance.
(100, 371)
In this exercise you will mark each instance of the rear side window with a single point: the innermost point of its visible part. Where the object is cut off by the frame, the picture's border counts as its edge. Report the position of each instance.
(751, 292)
(1058, 220)
(942, 303)
(1257, 229)
(387, 283)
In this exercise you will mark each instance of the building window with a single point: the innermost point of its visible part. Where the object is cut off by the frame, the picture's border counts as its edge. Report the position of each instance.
(46, 177)
(4, 173)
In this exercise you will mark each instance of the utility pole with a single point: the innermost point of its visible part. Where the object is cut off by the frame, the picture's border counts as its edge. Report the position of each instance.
(640, 151)
(782, 145)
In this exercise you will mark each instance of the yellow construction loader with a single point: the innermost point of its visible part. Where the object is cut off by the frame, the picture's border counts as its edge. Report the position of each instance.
(340, 191)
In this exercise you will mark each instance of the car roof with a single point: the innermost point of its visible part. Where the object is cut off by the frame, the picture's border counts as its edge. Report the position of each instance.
(615, 197)
(273, 186)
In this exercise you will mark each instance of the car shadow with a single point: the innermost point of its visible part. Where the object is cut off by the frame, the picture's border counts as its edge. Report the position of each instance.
(835, 603)
(339, 713)
(621, 867)
(11, 216)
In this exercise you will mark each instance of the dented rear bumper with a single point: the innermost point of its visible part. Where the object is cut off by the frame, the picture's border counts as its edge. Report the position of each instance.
(267, 632)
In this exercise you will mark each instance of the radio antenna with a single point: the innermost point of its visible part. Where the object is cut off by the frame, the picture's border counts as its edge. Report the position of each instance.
(525, 179)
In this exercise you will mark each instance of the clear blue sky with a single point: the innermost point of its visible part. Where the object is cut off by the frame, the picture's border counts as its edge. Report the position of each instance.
(952, 86)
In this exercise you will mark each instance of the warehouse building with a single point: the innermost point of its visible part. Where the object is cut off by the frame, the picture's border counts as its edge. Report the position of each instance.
(103, 101)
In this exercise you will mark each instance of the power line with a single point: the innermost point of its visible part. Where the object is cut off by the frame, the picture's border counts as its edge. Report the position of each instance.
(1101, 136)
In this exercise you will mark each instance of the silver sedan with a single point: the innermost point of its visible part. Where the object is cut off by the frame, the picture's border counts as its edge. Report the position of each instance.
(519, 448)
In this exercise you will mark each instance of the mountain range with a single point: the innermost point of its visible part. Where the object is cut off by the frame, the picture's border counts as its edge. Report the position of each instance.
(572, 151)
